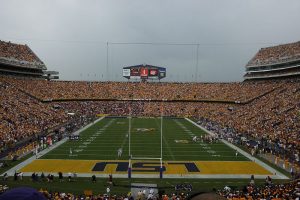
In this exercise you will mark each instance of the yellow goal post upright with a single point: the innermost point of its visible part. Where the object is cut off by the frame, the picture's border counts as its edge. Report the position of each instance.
(131, 157)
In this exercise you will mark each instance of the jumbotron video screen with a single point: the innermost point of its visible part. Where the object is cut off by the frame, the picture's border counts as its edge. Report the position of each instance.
(144, 72)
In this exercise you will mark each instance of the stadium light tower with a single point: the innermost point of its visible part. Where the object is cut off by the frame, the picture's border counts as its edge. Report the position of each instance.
(161, 142)
(107, 78)
(197, 62)
(129, 140)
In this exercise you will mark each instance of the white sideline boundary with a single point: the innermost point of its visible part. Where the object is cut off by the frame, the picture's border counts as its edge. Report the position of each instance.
(16, 168)
(276, 173)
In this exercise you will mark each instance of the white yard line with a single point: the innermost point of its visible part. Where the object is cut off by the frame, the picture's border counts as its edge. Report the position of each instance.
(11, 171)
(124, 142)
(275, 172)
(165, 141)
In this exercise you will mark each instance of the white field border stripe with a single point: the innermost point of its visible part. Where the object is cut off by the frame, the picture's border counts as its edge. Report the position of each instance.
(276, 173)
(177, 176)
(11, 171)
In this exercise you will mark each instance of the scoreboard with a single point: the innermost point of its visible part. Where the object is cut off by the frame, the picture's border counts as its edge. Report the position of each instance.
(144, 72)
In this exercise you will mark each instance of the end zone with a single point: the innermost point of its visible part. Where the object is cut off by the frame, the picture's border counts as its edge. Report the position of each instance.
(172, 169)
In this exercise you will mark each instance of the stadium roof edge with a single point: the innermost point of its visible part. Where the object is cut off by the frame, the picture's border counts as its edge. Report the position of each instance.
(145, 65)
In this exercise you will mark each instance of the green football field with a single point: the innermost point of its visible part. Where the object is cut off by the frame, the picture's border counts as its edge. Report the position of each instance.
(217, 164)
(102, 140)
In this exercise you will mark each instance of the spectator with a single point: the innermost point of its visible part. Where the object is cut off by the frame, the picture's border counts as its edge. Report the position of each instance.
(60, 176)
(94, 179)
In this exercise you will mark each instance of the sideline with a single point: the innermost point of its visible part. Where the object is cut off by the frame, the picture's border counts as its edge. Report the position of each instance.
(276, 173)
(16, 168)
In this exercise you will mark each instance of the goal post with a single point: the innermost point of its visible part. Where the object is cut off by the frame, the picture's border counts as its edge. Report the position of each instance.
(147, 159)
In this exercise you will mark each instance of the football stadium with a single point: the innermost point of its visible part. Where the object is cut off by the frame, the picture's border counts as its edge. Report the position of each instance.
(143, 136)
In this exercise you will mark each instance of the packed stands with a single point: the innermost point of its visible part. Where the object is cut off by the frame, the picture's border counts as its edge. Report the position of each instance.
(289, 190)
(17, 52)
(266, 110)
(271, 191)
(275, 62)
(83, 90)
(20, 60)
(17, 57)
(23, 116)
(272, 55)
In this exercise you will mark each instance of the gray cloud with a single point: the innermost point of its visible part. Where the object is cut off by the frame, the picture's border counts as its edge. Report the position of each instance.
(70, 35)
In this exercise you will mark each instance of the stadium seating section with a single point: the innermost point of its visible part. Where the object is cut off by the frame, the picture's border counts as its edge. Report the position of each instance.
(276, 54)
(17, 52)
(268, 109)
(268, 191)
(54, 90)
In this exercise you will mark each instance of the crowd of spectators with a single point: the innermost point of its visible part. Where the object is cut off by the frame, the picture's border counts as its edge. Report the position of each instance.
(180, 191)
(3, 188)
(272, 120)
(70, 196)
(17, 54)
(22, 150)
(76, 90)
(269, 114)
(265, 111)
(276, 54)
(105, 196)
(23, 116)
(270, 191)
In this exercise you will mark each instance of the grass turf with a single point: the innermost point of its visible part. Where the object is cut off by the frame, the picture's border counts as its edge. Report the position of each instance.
(11, 163)
(102, 140)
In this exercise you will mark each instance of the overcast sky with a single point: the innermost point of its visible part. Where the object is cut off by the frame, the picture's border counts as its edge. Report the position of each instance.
(71, 36)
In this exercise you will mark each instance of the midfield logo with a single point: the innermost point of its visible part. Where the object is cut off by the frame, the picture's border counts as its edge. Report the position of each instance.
(122, 166)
